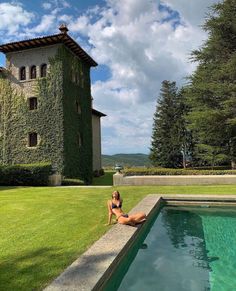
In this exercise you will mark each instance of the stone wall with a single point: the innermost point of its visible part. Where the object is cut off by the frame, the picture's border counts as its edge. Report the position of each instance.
(97, 164)
(21, 121)
(119, 179)
(28, 58)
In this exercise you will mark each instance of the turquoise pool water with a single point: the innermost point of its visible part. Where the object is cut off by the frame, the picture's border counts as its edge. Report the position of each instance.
(189, 248)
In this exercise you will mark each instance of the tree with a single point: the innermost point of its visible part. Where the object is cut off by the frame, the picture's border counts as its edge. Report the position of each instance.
(169, 135)
(211, 94)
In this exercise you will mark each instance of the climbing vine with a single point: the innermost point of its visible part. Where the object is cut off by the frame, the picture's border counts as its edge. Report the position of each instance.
(64, 133)
(77, 126)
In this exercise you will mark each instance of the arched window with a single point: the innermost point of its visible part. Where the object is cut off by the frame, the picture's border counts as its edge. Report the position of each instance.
(33, 103)
(80, 140)
(73, 76)
(43, 70)
(77, 78)
(33, 72)
(78, 108)
(22, 73)
(33, 139)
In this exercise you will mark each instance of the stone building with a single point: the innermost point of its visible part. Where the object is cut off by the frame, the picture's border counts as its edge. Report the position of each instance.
(46, 111)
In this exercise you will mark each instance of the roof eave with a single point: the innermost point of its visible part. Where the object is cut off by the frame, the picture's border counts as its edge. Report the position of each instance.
(49, 40)
(98, 113)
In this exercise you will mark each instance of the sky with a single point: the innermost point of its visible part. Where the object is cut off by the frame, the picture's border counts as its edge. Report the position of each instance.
(136, 43)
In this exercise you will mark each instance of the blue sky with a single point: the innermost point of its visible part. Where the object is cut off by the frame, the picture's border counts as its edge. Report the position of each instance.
(137, 44)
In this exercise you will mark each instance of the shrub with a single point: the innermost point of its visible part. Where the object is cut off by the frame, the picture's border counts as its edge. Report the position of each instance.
(71, 182)
(172, 172)
(25, 175)
(98, 173)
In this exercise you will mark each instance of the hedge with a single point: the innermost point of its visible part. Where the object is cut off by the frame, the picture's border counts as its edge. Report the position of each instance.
(72, 182)
(172, 172)
(25, 175)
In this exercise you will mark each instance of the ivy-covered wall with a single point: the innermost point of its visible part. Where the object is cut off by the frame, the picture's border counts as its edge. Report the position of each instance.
(77, 123)
(65, 133)
(17, 121)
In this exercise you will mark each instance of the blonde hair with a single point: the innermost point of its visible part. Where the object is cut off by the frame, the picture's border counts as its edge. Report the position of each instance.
(118, 194)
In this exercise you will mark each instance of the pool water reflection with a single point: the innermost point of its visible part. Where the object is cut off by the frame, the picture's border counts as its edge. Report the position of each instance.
(187, 248)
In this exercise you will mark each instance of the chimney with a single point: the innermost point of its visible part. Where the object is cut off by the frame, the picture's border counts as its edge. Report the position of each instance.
(63, 28)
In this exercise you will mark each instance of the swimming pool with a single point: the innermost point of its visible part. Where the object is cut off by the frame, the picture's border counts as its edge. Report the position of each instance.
(186, 248)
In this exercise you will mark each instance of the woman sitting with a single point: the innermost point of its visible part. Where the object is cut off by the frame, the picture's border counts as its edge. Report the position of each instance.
(115, 207)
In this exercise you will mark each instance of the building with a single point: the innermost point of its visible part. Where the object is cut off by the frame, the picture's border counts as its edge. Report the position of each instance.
(46, 112)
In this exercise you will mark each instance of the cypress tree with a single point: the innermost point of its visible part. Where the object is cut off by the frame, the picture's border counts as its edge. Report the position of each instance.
(166, 145)
(212, 91)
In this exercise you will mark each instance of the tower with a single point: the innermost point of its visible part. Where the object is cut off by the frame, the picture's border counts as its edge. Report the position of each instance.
(46, 114)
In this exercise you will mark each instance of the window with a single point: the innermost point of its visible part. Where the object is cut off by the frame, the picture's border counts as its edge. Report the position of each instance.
(22, 73)
(78, 108)
(33, 103)
(43, 70)
(33, 72)
(73, 78)
(77, 78)
(80, 140)
(33, 139)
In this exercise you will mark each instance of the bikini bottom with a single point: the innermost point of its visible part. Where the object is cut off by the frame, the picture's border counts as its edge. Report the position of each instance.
(123, 215)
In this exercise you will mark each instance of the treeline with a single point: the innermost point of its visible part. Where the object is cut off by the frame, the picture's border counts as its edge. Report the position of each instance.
(126, 160)
(196, 124)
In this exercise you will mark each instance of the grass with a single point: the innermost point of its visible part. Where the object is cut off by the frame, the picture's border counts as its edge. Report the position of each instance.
(106, 179)
(45, 229)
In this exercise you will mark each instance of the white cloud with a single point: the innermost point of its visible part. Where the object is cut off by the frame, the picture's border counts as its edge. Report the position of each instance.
(80, 24)
(47, 5)
(140, 53)
(46, 24)
(66, 4)
(141, 49)
(13, 16)
(140, 44)
(192, 11)
(56, 3)
(127, 130)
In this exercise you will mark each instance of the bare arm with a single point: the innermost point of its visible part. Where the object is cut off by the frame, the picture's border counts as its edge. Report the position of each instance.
(109, 211)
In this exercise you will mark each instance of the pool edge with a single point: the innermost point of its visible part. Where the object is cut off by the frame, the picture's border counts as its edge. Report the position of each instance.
(95, 266)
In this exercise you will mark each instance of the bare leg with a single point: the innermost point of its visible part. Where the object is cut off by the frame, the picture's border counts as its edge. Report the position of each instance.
(138, 217)
(133, 219)
(126, 220)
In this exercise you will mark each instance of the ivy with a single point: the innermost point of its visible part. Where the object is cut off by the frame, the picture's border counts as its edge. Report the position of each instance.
(65, 136)
(78, 158)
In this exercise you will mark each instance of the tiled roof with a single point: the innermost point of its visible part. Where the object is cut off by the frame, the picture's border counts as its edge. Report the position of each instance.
(62, 37)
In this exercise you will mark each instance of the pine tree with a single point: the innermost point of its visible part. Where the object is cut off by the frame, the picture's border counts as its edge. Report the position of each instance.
(212, 90)
(166, 145)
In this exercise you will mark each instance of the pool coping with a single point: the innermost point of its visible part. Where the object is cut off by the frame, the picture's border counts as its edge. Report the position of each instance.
(96, 265)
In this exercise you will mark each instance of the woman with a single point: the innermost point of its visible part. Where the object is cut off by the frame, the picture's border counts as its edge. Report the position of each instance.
(114, 207)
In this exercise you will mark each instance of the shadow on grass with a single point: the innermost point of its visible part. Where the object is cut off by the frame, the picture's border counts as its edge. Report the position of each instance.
(32, 270)
(35, 270)
(3, 188)
(88, 270)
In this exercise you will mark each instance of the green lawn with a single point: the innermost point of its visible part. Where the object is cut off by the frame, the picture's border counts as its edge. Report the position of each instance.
(106, 179)
(45, 229)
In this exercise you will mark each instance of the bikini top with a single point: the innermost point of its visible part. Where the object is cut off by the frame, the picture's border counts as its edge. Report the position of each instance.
(116, 206)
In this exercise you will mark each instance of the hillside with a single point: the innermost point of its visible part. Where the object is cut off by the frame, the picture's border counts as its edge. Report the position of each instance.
(130, 160)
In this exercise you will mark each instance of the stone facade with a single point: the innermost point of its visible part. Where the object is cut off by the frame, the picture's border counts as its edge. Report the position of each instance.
(28, 58)
(97, 162)
(64, 133)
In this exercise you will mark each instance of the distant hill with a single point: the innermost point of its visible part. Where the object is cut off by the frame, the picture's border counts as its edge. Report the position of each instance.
(128, 160)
